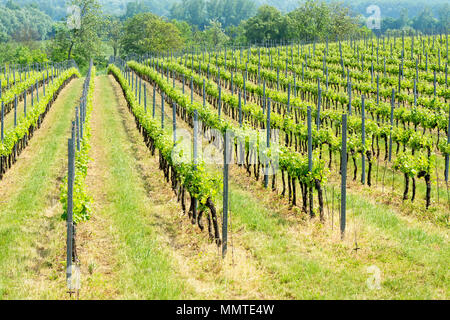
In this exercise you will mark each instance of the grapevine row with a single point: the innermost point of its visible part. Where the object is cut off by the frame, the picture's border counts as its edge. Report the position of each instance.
(16, 139)
(184, 176)
(290, 161)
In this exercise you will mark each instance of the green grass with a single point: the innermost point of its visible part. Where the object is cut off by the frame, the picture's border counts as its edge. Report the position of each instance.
(314, 265)
(146, 269)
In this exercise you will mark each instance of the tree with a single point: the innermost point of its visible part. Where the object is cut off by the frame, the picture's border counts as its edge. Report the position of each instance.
(134, 8)
(186, 31)
(315, 19)
(310, 21)
(425, 21)
(25, 34)
(114, 32)
(444, 18)
(146, 32)
(18, 53)
(229, 12)
(191, 11)
(12, 5)
(215, 35)
(201, 12)
(341, 23)
(23, 24)
(389, 23)
(237, 34)
(83, 39)
(403, 21)
(268, 24)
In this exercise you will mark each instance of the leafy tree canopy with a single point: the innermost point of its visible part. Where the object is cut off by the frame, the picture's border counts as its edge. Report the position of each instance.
(147, 32)
(267, 25)
(314, 19)
(81, 42)
(201, 12)
(23, 24)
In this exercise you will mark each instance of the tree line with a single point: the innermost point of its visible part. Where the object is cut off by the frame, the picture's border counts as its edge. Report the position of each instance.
(210, 23)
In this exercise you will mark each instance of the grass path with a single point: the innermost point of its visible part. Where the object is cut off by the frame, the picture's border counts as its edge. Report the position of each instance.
(138, 244)
(130, 262)
(30, 212)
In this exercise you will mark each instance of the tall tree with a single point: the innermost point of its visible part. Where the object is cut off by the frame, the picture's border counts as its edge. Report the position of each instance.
(191, 11)
(310, 21)
(341, 22)
(146, 32)
(215, 35)
(114, 32)
(201, 12)
(80, 37)
(315, 19)
(425, 22)
(444, 18)
(268, 24)
(134, 8)
(186, 31)
(23, 24)
(237, 34)
(229, 12)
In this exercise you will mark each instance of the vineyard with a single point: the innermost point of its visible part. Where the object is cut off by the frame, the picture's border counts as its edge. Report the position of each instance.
(278, 171)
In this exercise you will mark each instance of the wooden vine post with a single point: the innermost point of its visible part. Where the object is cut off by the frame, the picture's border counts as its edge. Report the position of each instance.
(77, 126)
(162, 110)
(310, 162)
(349, 97)
(192, 89)
(318, 106)
(195, 159)
(154, 102)
(240, 110)
(266, 171)
(70, 224)
(343, 175)
(25, 103)
(2, 121)
(15, 111)
(204, 96)
(226, 161)
(174, 122)
(391, 124)
(363, 141)
(140, 89)
(145, 98)
(447, 155)
(220, 101)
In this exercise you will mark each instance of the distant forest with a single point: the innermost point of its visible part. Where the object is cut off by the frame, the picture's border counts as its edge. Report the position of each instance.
(389, 8)
(33, 30)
